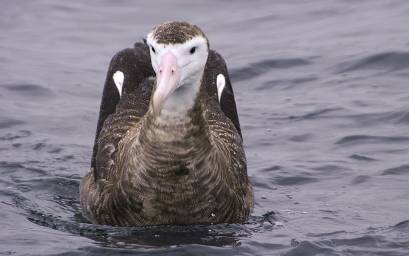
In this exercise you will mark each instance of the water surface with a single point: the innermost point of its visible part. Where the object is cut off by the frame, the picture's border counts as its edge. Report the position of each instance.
(323, 99)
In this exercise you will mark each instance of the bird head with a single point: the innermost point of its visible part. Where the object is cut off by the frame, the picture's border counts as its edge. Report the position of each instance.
(178, 52)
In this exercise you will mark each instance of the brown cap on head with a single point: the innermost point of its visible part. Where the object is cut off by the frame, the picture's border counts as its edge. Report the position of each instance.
(176, 32)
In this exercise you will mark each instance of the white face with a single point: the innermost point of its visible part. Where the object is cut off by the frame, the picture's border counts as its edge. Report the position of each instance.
(177, 65)
(191, 57)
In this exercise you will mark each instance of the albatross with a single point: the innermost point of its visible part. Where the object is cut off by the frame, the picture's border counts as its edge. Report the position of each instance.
(168, 146)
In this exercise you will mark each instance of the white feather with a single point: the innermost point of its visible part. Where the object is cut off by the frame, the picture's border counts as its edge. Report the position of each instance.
(119, 81)
(220, 82)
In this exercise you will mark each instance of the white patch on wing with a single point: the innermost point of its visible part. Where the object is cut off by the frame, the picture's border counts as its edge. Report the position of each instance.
(220, 82)
(119, 81)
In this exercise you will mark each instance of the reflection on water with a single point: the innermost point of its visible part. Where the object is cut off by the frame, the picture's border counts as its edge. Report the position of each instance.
(323, 101)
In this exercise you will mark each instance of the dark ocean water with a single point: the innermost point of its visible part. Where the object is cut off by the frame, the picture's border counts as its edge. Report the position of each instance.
(322, 89)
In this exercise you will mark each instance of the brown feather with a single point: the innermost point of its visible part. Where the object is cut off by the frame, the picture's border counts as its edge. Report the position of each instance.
(187, 172)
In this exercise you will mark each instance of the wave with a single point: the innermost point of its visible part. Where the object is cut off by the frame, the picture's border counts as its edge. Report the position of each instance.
(293, 180)
(360, 139)
(386, 61)
(32, 90)
(362, 158)
(403, 169)
(7, 122)
(258, 68)
(287, 82)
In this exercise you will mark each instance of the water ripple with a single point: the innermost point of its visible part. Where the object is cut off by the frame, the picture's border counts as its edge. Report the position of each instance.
(400, 170)
(164, 235)
(360, 179)
(367, 139)
(387, 61)
(268, 85)
(6, 122)
(306, 248)
(362, 158)
(293, 180)
(32, 90)
(257, 68)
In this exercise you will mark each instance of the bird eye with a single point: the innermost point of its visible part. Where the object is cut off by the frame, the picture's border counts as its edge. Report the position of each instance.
(153, 49)
(192, 50)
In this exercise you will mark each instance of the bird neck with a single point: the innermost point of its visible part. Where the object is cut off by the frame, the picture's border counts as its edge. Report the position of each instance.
(164, 130)
(180, 116)
(182, 100)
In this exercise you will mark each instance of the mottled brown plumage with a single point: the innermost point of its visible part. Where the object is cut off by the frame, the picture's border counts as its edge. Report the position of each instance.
(151, 171)
(176, 32)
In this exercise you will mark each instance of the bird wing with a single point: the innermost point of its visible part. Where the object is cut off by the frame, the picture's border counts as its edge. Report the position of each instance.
(130, 109)
(228, 157)
(136, 66)
(216, 65)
